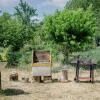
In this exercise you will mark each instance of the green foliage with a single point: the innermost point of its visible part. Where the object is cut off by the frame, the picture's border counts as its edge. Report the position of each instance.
(16, 31)
(93, 54)
(24, 12)
(3, 53)
(10, 32)
(12, 57)
(74, 30)
(75, 4)
(26, 56)
(62, 33)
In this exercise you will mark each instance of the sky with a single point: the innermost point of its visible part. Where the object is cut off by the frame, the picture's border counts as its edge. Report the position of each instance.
(44, 7)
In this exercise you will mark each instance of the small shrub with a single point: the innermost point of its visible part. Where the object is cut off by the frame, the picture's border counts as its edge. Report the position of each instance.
(93, 54)
(13, 58)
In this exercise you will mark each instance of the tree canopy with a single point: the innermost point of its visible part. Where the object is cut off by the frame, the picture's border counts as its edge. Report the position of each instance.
(24, 12)
(73, 29)
(68, 30)
(75, 4)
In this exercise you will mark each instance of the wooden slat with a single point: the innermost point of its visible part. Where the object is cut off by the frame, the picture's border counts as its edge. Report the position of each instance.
(41, 71)
(41, 56)
(85, 78)
(41, 64)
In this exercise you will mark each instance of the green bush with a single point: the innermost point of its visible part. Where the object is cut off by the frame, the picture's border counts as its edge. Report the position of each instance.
(93, 54)
(3, 53)
(25, 59)
(13, 58)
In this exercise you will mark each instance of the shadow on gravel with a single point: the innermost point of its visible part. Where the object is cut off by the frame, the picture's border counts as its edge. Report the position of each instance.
(12, 92)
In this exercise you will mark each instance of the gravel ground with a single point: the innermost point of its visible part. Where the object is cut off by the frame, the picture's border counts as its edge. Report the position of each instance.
(49, 91)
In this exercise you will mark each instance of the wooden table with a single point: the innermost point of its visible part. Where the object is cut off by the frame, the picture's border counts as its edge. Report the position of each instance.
(89, 64)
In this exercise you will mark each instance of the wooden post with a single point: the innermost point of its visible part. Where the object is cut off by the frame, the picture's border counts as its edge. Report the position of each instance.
(92, 74)
(77, 71)
(65, 74)
(39, 79)
(0, 80)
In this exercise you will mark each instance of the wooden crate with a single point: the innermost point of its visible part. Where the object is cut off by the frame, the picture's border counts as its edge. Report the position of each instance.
(41, 63)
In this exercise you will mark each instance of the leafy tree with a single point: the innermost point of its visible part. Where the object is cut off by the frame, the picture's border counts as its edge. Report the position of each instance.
(24, 12)
(11, 32)
(16, 31)
(75, 4)
(73, 30)
(3, 21)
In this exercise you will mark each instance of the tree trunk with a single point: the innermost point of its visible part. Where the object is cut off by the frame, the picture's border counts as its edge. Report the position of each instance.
(66, 55)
